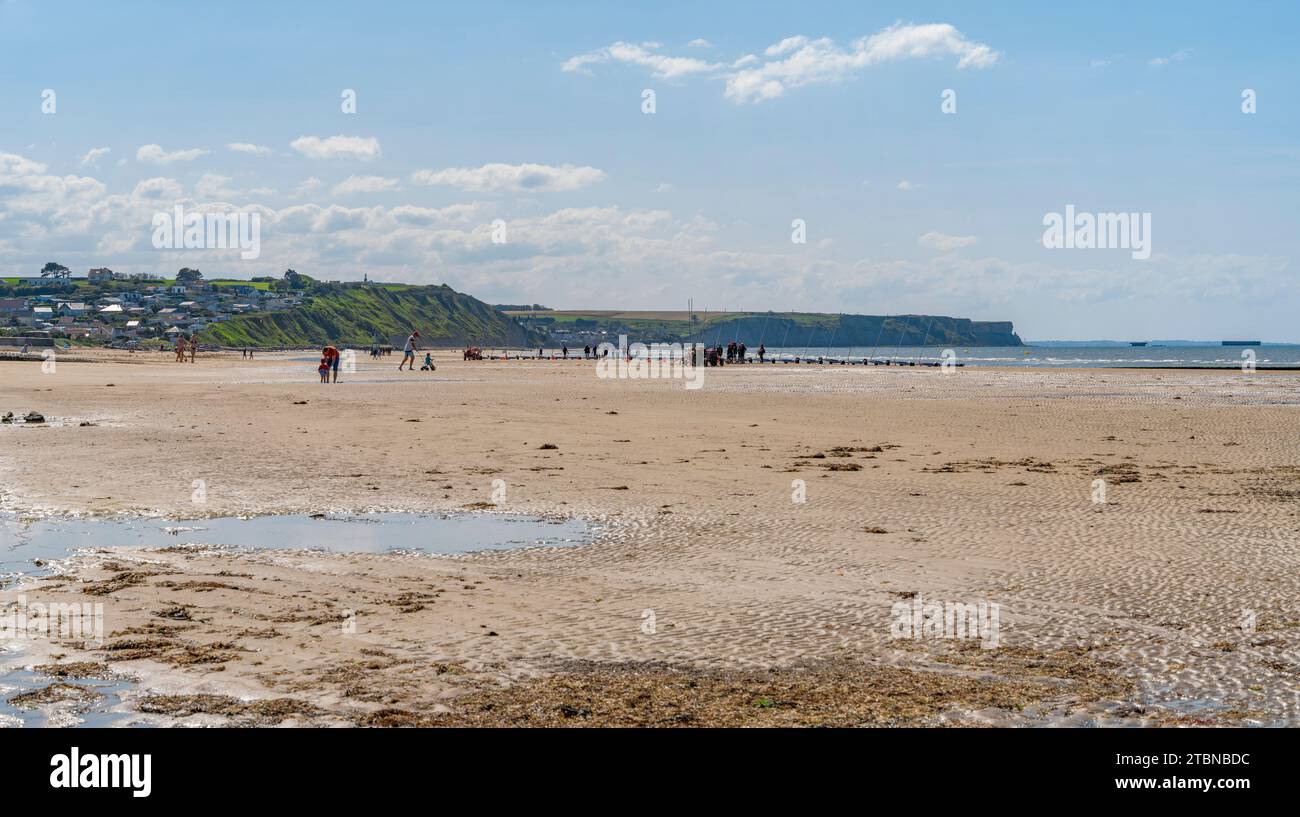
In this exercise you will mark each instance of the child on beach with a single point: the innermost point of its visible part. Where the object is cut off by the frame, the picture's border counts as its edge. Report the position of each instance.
(324, 370)
(428, 363)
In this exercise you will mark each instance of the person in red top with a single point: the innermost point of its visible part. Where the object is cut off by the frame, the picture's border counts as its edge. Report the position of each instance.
(331, 355)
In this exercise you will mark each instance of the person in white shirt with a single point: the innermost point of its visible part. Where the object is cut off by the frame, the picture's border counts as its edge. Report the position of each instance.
(408, 351)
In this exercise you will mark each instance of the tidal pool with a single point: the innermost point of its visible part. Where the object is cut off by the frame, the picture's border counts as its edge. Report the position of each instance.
(27, 548)
(102, 706)
(26, 545)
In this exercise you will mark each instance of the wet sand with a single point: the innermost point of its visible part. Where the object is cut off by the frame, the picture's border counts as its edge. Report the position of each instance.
(712, 595)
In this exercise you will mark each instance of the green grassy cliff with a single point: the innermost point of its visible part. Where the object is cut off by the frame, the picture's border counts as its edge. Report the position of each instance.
(360, 314)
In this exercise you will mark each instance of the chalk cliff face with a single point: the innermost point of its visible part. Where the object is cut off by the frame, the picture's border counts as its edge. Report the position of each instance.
(859, 330)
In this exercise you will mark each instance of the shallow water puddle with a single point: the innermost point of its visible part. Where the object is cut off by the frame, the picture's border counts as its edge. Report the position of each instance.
(28, 547)
(98, 705)
(25, 547)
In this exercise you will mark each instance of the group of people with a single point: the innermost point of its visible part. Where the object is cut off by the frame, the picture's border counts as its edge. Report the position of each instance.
(588, 352)
(184, 345)
(330, 357)
(408, 353)
(733, 352)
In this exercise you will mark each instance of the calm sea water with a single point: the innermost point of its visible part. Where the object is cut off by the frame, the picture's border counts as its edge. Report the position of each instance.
(1087, 357)
(1038, 355)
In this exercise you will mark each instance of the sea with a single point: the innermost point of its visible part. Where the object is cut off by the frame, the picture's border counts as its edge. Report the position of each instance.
(1046, 356)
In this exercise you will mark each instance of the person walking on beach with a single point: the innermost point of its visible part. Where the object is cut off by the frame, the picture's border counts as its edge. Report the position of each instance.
(762, 352)
(408, 351)
(194, 346)
(331, 359)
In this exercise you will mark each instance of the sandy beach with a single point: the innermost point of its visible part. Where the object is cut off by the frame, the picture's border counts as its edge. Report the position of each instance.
(751, 541)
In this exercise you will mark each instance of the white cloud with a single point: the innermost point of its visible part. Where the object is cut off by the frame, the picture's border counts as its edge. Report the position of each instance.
(155, 155)
(364, 184)
(700, 43)
(93, 156)
(797, 61)
(246, 147)
(497, 177)
(11, 164)
(215, 186)
(662, 66)
(306, 186)
(932, 40)
(647, 255)
(663, 187)
(408, 215)
(1177, 56)
(338, 147)
(946, 243)
(809, 62)
(906, 185)
(786, 46)
(158, 188)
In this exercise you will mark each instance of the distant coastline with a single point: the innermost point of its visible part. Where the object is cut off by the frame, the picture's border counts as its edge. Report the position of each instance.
(1150, 344)
(772, 329)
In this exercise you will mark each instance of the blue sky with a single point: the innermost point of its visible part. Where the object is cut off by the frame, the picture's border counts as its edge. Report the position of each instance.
(466, 114)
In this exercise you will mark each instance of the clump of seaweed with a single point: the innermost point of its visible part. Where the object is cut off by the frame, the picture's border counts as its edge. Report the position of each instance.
(263, 712)
(54, 694)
